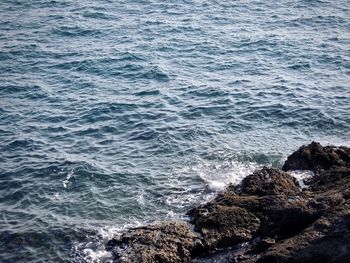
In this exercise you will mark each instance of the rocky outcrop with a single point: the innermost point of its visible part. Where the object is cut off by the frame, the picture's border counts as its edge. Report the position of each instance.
(269, 182)
(267, 203)
(224, 226)
(326, 240)
(326, 235)
(317, 158)
(275, 219)
(162, 242)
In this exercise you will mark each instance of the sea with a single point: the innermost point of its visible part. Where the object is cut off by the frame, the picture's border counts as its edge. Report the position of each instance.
(116, 114)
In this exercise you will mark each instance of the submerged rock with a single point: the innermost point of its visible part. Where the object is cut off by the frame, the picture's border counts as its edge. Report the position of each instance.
(267, 218)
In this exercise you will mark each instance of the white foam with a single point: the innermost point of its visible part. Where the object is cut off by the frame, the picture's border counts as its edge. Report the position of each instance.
(109, 232)
(211, 176)
(141, 198)
(218, 176)
(300, 175)
(215, 185)
(66, 182)
(94, 250)
(97, 256)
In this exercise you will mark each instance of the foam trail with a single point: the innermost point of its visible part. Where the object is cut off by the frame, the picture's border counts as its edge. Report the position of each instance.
(67, 181)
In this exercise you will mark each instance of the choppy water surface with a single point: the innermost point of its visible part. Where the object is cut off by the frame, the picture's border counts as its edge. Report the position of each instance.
(117, 113)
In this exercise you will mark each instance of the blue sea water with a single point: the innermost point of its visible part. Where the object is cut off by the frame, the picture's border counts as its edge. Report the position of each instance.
(120, 113)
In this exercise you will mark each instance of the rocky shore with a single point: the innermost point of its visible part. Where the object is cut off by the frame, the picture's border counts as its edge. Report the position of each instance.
(266, 218)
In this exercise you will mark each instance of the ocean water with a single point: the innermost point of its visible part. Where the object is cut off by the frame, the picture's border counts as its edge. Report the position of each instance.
(120, 113)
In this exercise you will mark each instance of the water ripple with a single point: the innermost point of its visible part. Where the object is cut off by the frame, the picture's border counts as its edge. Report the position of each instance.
(115, 114)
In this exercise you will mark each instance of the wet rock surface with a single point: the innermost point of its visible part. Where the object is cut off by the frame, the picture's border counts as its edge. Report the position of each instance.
(267, 218)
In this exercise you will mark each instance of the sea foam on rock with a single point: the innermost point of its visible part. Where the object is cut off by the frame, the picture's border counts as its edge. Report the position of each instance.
(277, 220)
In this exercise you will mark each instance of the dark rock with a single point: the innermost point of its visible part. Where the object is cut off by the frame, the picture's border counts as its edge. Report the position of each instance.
(317, 158)
(281, 212)
(327, 240)
(263, 244)
(224, 226)
(335, 178)
(112, 243)
(269, 181)
(163, 242)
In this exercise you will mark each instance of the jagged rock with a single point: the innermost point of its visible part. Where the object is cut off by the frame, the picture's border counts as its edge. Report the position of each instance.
(167, 242)
(317, 158)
